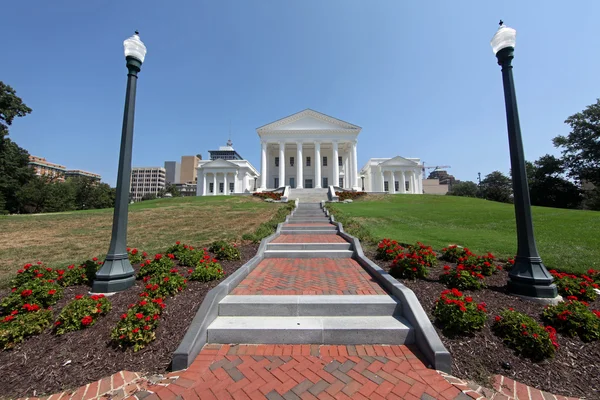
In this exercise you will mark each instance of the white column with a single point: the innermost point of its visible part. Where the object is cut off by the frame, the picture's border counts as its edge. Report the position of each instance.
(300, 166)
(214, 183)
(203, 183)
(355, 183)
(244, 179)
(393, 187)
(412, 182)
(281, 164)
(382, 180)
(263, 165)
(318, 165)
(224, 183)
(336, 168)
(403, 183)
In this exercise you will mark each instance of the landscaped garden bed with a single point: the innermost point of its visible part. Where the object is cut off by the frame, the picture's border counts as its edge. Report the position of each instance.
(555, 362)
(50, 362)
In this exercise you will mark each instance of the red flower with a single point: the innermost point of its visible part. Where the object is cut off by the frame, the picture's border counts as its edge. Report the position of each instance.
(14, 312)
(27, 266)
(139, 315)
(446, 267)
(498, 318)
(143, 303)
(144, 254)
(26, 292)
(166, 279)
(135, 330)
(468, 299)
(79, 297)
(178, 242)
(134, 251)
(155, 317)
(571, 297)
(57, 323)
(71, 266)
(51, 291)
(87, 320)
(147, 318)
(147, 328)
(123, 316)
(158, 256)
(95, 259)
(171, 256)
(8, 318)
(174, 270)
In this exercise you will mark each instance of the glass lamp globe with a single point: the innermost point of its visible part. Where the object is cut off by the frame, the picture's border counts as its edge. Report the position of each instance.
(504, 37)
(134, 47)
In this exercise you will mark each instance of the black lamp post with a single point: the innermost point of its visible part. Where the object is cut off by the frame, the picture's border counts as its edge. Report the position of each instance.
(117, 274)
(528, 277)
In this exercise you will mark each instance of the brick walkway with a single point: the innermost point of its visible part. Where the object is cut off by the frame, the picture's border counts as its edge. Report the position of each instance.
(295, 276)
(309, 239)
(278, 372)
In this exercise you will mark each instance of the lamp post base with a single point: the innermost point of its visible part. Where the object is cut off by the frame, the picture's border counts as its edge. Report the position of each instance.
(115, 275)
(532, 290)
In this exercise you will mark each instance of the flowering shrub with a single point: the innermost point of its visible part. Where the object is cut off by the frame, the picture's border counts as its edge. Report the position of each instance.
(268, 195)
(349, 195)
(72, 275)
(21, 323)
(453, 252)
(208, 271)
(164, 284)
(572, 285)
(480, 264)
(425, 252)
(523, 334)
(81, 313)
(30, 272)
(136, 256)
(159, 265)
(461, 278)
(510, 263)
(574, 318)
(37, 291)
(225, 251)
(594, 275)
(408, 266)
(91, 267)
(388, 249)
(137, 325)
(458, 314)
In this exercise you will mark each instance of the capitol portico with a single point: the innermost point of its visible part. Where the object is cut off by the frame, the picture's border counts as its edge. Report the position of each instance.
(309, 150)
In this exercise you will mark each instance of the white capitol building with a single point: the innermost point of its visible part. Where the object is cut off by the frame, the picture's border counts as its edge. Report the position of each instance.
(309, 150)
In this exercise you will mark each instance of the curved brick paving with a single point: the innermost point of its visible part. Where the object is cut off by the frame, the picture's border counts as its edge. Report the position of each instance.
(296, 276)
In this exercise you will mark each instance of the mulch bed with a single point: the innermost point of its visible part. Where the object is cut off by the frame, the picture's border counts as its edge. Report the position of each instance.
(574, 371)
(47, 363)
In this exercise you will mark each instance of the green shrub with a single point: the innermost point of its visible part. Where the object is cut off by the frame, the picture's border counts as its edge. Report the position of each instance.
(158, 266)
(461, 278)
(20, 324)
(509, 264)
(81, 313)
(35, 292)
(72, 275)
(224, 251)
(207, 271)
(191, 258)
(572, 285)
(573, 318)
(349, 195)
(523, 334)
(388, 249)
(137, 325)
(91, 267)
(458, 314)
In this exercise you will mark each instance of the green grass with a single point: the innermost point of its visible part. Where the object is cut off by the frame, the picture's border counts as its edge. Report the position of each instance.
(63, 238)
(567, 240)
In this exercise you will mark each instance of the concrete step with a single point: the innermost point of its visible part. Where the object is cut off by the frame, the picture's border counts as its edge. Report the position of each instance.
(311, 228)
(308, 246)
(308, 253)
(309, 306)
(296, 220)
(292, 231)
(311, 330)
(309, 206)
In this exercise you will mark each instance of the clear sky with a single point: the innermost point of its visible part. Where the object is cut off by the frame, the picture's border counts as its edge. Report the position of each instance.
(419, 77)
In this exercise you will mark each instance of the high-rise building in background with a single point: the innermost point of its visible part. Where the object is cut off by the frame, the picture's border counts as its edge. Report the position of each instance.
(173, 172)
(77, 173)
(188, 169)
(146, 180)
(46, 168)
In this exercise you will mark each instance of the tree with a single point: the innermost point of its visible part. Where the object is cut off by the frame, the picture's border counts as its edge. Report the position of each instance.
(581, 148)
(496, 187)
(170, 188)
(547, 185)
(11, 106)
(466, 189)
(149, 196)
(34, 195)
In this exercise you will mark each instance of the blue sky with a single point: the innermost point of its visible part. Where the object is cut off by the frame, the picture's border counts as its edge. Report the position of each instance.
(419, 77)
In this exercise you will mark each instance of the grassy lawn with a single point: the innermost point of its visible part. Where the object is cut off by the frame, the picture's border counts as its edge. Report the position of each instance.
(70, 237)
(567, 239)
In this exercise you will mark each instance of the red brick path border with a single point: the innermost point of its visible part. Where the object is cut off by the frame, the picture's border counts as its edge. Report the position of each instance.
(309, 239)
(296, 276)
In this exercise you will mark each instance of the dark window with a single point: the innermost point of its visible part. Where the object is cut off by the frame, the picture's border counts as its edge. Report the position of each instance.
(231, 187)
(277, 161)
(341, 182)
(276, 183)
(325, 183)
(386, 186)
(324, 161)
(308, 183)
(406, 184)
(292, 183)
(396, 186)
(221, 187)
(308, 161)
(292, 161)
(211, 187)
(340, 161)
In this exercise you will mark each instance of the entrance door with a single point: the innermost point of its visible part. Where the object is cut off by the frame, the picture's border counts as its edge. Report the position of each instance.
(308, 183)
(325, 183)
(276, 183)
(292, 183)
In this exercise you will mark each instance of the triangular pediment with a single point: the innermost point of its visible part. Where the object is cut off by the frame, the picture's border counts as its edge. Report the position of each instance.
(308, 120)
(399, 162)
(219, 163)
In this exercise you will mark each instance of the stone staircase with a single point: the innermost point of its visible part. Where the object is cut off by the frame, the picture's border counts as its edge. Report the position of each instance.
(309, 290)
(308, 195)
